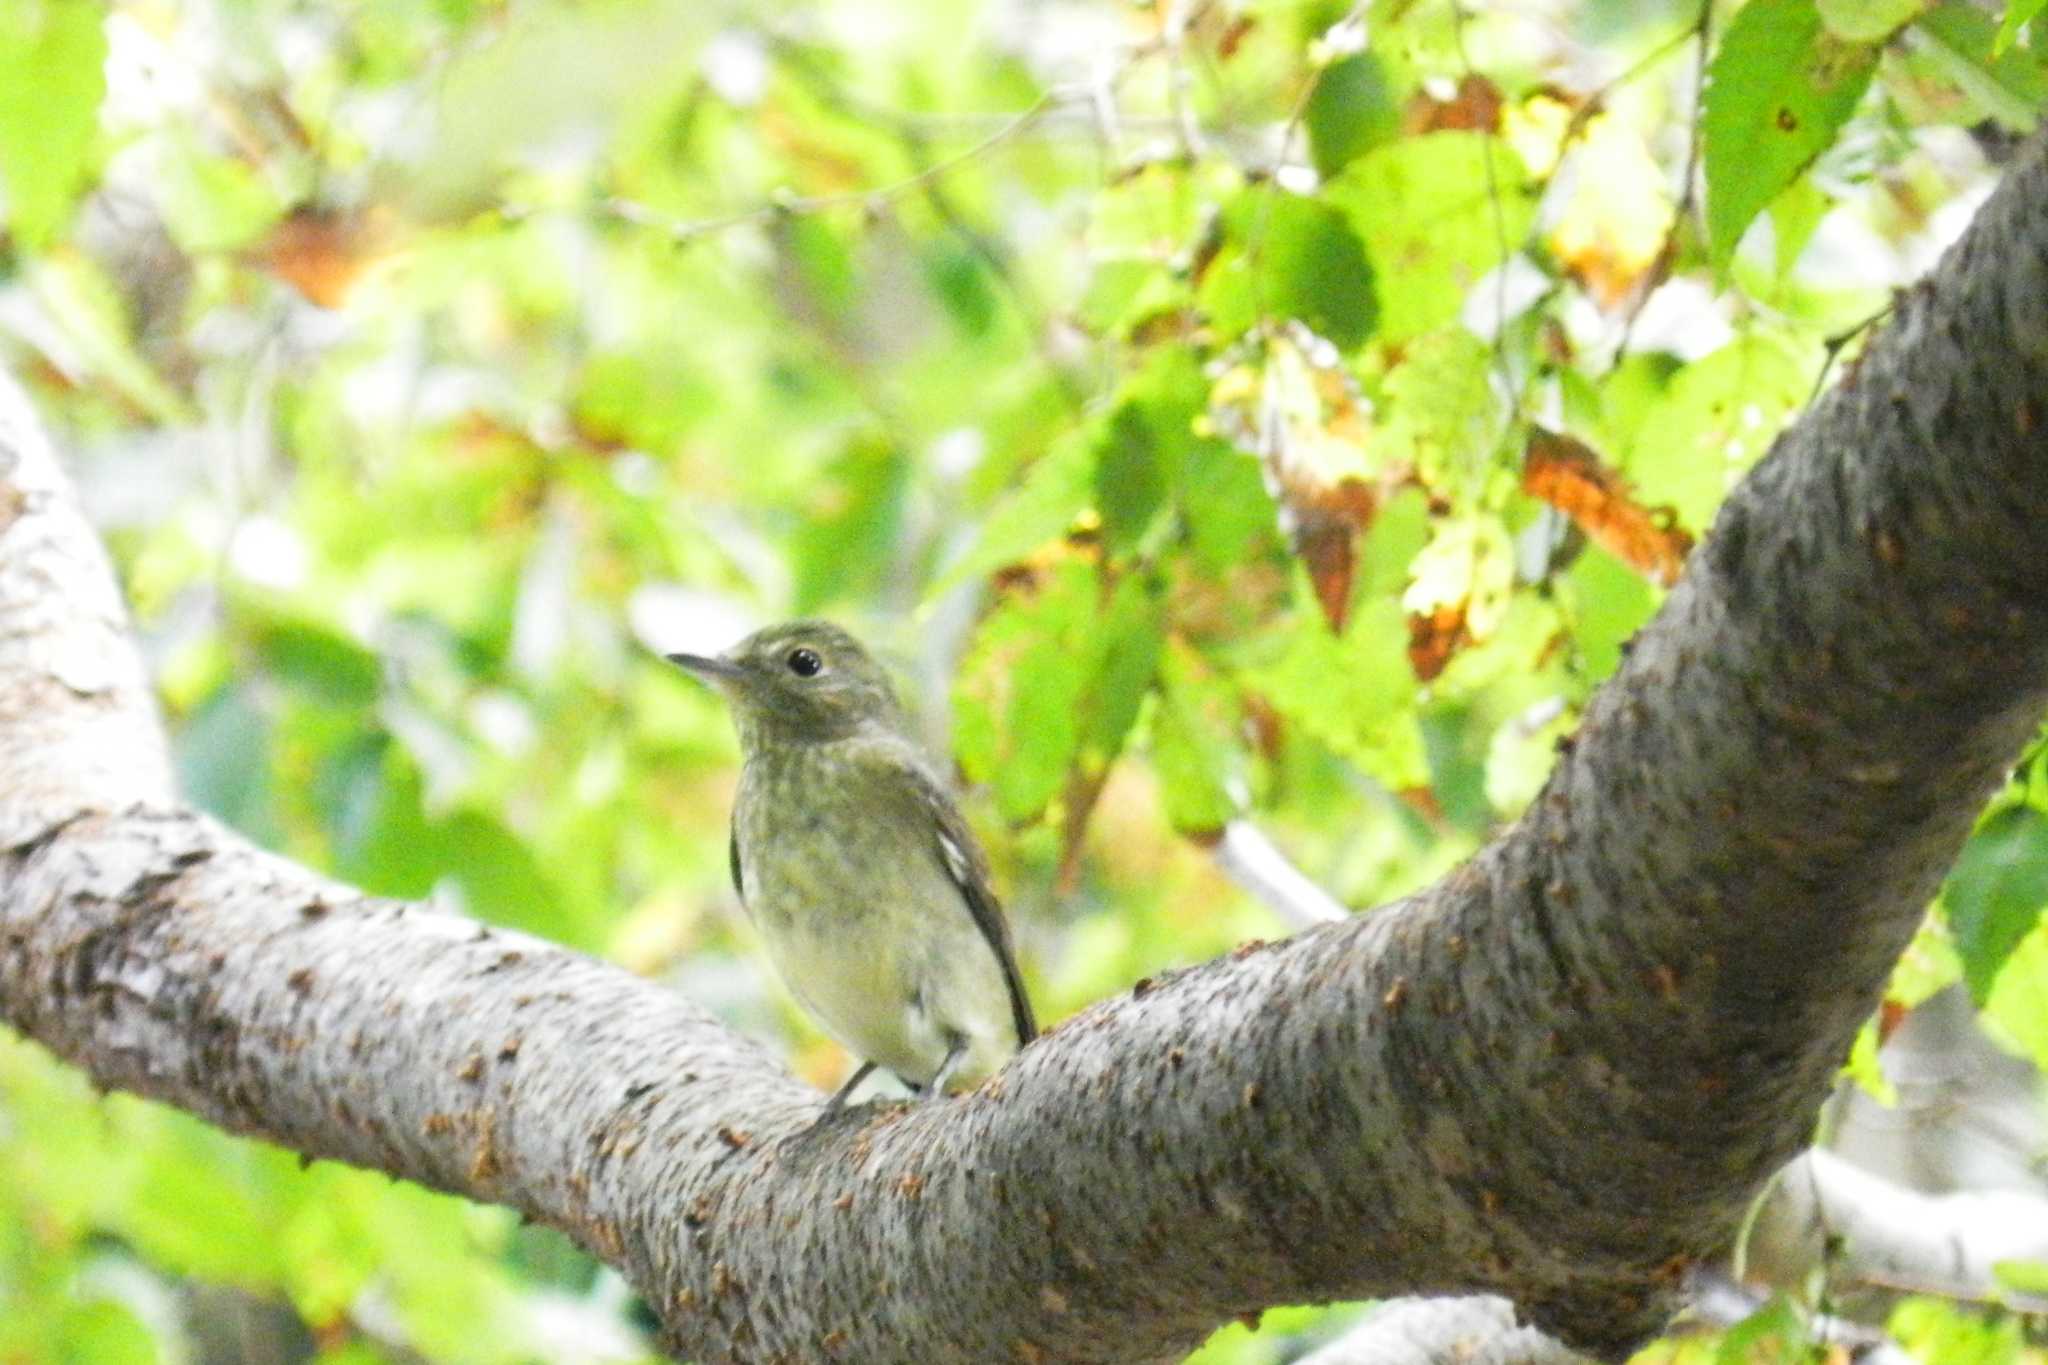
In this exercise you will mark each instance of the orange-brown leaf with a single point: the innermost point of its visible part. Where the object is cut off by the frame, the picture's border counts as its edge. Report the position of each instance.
(1570, 476)
(319, 253)
(1326, 523)
(1434, 636)
(1475, 107)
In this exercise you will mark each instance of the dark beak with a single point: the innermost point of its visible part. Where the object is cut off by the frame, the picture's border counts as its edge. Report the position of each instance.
(710, 669)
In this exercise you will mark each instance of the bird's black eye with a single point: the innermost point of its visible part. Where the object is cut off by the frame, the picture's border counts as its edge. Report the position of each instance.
(805, 663)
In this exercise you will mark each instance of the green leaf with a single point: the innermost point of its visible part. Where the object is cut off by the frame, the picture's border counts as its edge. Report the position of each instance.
(1229, 512)
(1289, 257)
(1436, 213)
(2018, 14)
(2025, 1277)
(851, 517)
(2017, 1010)
(1130, 480)
(1778, 91)
(52, 59)
(1147, 440)
(823, 260)
(1996, 891)
(1866, 1068)
(1056, 491)
(1610, 602)
(1018, 697)
(1354, 692)
(102, 1332)
(1443, 414)
(503, 881)
(1519, 759)
(211, 202)
(961, 280)
(1132, 630)
(2009, 83)
(1713, 420)
(1773, 1332)
(1867, 21)
(323, 662)
(1939, 1329)
(1795, 215)
(1352, 110)
(1191, 749)
(89, 308)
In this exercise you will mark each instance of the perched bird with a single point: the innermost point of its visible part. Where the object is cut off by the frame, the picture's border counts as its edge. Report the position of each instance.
(857, 869)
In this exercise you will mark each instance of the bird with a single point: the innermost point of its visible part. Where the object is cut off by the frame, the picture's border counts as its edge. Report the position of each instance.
(861, 877)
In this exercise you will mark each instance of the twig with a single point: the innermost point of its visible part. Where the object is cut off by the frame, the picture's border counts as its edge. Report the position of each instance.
(1660, 268)
(1500, 234)
(630, 211)
(1257, 865)
(1833, 346)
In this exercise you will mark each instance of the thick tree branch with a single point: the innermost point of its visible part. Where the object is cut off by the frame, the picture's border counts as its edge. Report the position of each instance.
(1557, 1076)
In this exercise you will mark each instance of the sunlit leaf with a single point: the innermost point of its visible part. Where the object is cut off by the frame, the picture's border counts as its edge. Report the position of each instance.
(51, 58)
(1773, 1332)
(2017, 1007)
(2018, 14)
(86, 303)
(2010, 84)
(1610, 231)
(1436, 213)
(212, 202)
(1286, 256)
(1713, 420)
(1778, 90)
(1354, 692)
(1867, 21)
(1996, 892)
(1056, 490)
(846, 544)
(1352, 111)
(1866, 1069)
(1192, 748)
(1017, 699)
(1609, 603)
(1955, 1334)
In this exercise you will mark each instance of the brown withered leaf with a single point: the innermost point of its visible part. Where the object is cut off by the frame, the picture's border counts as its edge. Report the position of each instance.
(1890, 1015)
(1569, 475)
(1305, 416)
(1423, 801)
(321, 252)
(1326, 523)
(1434, 636)
(1474, 107)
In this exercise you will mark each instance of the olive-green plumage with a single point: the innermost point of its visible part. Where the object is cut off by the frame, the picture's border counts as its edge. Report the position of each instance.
(862, 878)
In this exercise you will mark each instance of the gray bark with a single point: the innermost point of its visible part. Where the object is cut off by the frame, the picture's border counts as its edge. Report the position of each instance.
(1558, 1076)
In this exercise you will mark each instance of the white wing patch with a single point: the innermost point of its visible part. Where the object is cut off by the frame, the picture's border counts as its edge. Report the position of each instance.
(958, 866)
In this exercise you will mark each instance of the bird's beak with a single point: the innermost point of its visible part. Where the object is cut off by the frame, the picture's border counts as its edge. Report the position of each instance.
(713, 670)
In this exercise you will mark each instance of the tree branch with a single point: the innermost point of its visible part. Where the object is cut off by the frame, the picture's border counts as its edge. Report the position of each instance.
(1557, 1076)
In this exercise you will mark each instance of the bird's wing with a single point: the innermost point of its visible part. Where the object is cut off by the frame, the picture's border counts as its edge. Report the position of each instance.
(962, 858)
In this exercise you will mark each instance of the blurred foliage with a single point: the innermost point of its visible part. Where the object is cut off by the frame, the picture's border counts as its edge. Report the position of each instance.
(1264, 409)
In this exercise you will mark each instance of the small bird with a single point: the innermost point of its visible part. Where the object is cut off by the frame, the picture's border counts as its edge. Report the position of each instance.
(857, 869)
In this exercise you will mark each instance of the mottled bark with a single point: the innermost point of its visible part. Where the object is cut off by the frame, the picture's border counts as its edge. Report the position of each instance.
(1557, 1076)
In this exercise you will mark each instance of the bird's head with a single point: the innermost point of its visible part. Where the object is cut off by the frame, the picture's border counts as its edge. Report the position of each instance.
(799, 682)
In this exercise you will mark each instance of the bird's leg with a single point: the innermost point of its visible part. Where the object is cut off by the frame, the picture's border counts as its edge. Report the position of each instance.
(838, 1100)
(954, 1057)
